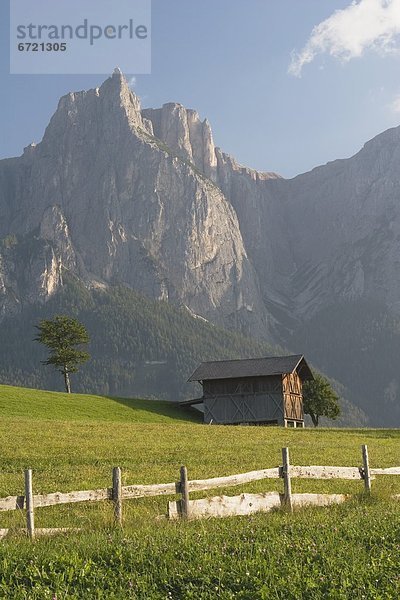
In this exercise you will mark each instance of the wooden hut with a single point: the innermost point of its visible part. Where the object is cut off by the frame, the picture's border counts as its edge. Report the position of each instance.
(262, 391)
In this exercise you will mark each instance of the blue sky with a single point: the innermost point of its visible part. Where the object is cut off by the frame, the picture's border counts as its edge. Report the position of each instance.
(231, 60)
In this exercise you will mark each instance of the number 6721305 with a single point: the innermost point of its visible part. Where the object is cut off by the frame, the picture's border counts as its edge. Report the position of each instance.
(42, 47)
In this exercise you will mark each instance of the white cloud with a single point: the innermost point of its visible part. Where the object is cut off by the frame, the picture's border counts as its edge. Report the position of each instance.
(132, 82)
(348, 33)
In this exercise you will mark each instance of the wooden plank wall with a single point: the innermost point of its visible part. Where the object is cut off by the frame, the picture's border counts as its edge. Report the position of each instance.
(292, 397)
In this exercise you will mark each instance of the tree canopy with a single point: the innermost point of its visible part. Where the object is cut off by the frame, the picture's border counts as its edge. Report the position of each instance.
(64, 337)
(320, 400)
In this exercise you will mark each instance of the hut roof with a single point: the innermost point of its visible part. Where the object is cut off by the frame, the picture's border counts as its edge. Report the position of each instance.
(253, 367)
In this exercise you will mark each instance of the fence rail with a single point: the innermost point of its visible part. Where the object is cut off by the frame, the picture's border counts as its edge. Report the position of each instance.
(247, 504)
(216, 506)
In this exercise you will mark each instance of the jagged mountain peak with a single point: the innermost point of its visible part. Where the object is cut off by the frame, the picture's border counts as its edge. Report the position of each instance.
(128, 209)
(112, 102)
(118, 84)
(182, 130)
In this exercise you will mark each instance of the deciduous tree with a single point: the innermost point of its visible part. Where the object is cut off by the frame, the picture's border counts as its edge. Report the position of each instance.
(64, 336)
(320, 400)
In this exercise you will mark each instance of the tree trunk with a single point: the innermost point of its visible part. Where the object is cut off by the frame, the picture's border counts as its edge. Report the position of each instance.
(67, 381)
(315, 419)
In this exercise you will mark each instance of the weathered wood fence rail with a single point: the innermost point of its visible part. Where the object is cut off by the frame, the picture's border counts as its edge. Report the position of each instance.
(217, 506)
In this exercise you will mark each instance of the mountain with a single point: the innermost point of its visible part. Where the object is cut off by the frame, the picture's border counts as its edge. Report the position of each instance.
(330, 234)
(105, 199)
(344, 220)
(117, 197)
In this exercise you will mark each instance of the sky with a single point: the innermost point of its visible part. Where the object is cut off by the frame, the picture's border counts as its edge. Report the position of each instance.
(286, 84)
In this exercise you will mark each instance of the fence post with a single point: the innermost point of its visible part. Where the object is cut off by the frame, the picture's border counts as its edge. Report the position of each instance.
(287, 486)
(366, 471)
(30, 519)
(117, 495)
(184, 489)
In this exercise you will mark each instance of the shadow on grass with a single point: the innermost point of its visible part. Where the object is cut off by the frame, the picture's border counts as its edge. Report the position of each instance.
(161, 407)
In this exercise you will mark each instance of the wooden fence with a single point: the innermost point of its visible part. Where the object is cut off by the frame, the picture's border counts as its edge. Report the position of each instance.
(219, 506)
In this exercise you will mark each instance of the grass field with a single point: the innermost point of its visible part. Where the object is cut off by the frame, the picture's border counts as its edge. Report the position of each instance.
(72, 442)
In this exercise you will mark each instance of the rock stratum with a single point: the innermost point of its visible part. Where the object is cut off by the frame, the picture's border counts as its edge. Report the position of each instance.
(142, 198)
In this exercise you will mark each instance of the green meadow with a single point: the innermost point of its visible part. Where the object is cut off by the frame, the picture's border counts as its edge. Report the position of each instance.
(72, 443)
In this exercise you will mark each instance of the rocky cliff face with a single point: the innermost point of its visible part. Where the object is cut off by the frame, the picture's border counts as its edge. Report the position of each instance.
(327, 236)
(104, 198)
(344, 220)
(185, 134)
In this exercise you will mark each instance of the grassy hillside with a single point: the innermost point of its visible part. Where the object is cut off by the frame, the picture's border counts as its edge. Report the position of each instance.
(151, 439)
(73, 443)
(45, 405)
